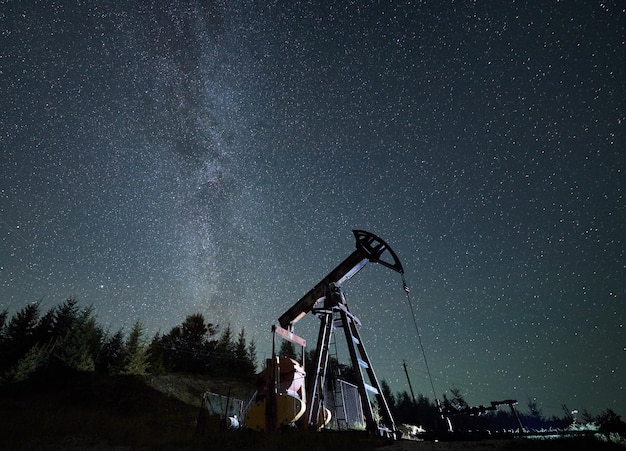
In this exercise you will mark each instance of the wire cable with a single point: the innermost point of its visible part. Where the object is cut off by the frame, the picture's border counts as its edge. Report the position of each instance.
(419, 335)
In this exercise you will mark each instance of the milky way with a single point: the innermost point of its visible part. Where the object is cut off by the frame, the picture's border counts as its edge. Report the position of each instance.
(166, 159)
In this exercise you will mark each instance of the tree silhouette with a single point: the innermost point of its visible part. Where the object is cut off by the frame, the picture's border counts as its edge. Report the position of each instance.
(225, 360)
(534, 418)
(458, 400)
(63, 317)
(156, 355)
(79, 338)
(610, 421)
(386, 389)
(3, 336)
(188, 347)
(252, 355)
(287, 349)
(135, 353)
(3, 321)
(404, 408)
(19, 335)
(34, 359)
(244, 366)
(111, 356)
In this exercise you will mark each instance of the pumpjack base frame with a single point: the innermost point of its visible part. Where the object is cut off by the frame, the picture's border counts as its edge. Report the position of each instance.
(336, 314)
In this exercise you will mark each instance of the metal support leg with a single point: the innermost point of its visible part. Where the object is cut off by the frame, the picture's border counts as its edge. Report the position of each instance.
(360, 363)
(315, 415)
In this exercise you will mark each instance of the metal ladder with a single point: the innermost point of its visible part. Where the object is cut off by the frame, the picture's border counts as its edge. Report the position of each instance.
(367, 382)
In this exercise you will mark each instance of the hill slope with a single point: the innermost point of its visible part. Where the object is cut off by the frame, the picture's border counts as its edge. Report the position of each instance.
(86, 411)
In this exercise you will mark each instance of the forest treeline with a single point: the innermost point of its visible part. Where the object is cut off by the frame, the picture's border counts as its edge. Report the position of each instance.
(68, 337)
(422, 411)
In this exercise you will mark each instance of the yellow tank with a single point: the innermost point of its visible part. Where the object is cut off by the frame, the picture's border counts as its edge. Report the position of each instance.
(287, 375)
(288, 410)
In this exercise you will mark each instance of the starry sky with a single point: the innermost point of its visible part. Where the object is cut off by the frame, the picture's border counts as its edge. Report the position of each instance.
(159, 159)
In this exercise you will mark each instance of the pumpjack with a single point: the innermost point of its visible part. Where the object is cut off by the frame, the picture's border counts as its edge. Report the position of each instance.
(282, 398)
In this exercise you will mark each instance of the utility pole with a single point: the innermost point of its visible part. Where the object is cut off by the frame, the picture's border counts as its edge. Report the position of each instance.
(408, 379)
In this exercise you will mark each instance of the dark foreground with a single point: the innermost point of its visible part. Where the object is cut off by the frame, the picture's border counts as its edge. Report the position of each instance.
(98, 413)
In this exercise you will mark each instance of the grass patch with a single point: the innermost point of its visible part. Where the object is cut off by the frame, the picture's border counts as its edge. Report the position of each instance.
(90, 411)
(120, 410)
(87, 411)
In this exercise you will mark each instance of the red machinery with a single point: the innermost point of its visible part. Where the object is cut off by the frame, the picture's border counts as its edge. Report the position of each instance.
(282, 397)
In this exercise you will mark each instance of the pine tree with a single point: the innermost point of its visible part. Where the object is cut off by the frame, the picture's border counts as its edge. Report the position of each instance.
(189, 347)
(287, 349)
(240, 355)
(78, 347)
(426, 413)
(3, 337)
(72, 352)
(458, 400)
(44, 331)
(386, 389)
(3, 323)
(135, 352)
(404, 408)
(22, 326)
(224, 361)
(34, 359)
(111, 356)
(241, 352)
(587, 417)
(610, 421)
(198, 342)
(172, 345)
(19, 335)
(93, 332)
(225, 343)
(252, 355)
(244, 366)
(534, 418)
(64, 316)
(156, 355)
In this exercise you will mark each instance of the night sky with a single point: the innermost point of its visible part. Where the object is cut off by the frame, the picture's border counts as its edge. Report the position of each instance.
(160, 159)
